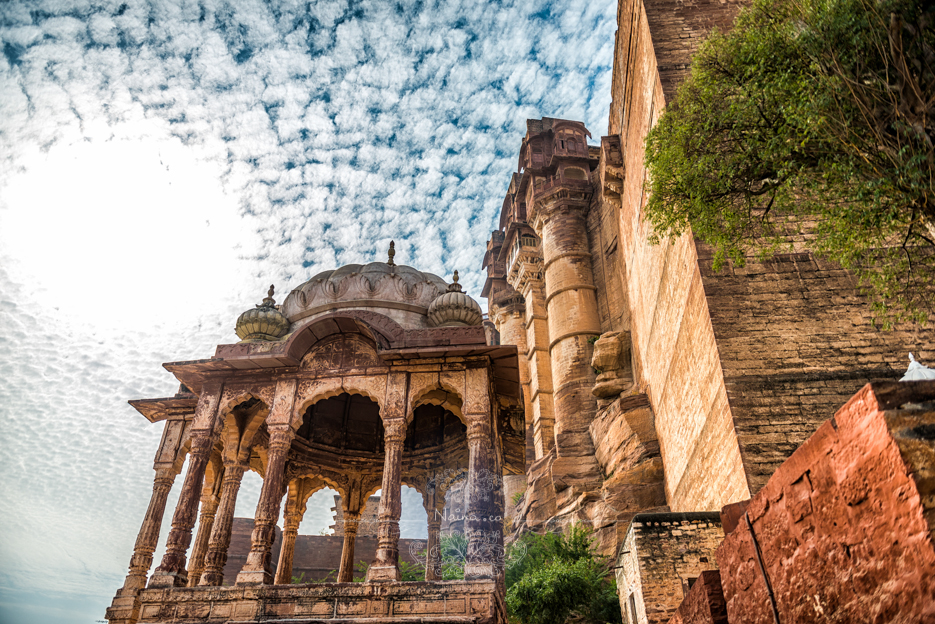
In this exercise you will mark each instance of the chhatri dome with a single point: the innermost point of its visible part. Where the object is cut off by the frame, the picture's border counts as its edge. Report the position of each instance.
(414, 299)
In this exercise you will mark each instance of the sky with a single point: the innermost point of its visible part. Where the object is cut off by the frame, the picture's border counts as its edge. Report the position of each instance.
(163, 161)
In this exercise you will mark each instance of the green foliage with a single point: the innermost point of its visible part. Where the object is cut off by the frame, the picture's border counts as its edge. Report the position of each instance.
(553, 577)
(297, 580)
(361, 571)
(411, 571)
(518, 497)
(810, 124)
(454, 556)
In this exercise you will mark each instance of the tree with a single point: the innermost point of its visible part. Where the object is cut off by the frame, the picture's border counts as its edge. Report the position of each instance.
(558, 577)
(810, 124)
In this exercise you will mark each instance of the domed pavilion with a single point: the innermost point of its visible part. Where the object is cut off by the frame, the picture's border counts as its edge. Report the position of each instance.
(366, 378)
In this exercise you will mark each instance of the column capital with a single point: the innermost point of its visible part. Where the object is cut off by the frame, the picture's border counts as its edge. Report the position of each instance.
(280, 438)
(165, 477)
(478, 429)
(202, 441)
(394, 431)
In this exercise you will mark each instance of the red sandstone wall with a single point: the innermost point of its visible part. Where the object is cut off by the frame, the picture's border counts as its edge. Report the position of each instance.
(704, 603)
(840, 529)
(674, 343)
(606, 264)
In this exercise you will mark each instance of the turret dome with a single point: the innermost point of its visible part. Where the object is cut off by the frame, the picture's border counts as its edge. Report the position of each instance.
(265, 322)
(454, 308)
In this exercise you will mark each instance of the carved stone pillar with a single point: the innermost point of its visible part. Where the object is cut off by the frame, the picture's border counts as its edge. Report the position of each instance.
(385, 566)
(257, 570)
(346, 571)
(148, 536)
(220, 539)
(196, 564)
(287, 552)
(482, 486)
(125, 608)
(433, 552)
(171, 572)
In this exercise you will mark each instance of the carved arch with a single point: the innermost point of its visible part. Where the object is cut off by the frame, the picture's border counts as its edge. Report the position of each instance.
(239, 430)
(433, 389)
(383, 331)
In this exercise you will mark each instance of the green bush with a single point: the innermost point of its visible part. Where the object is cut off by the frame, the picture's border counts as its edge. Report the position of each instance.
(552, 577)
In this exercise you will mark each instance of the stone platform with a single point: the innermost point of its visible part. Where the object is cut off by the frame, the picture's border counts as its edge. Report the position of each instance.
(462, 602)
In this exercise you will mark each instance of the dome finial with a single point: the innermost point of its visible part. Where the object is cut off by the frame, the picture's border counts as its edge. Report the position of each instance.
(454, 286)
(268, 301)
(392, 253)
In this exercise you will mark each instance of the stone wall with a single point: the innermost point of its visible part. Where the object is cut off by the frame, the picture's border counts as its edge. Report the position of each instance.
(241, 531)
(661, 557)
(741, 366)
(367, 525)
(316, 556)
(796, 341)
(675, 349)
(704, 603)
(843, 531)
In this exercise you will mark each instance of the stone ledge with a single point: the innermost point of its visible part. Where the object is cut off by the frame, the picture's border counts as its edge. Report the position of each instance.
(458, 602)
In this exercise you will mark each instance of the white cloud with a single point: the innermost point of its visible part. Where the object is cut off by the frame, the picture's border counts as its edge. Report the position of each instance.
(307, 134)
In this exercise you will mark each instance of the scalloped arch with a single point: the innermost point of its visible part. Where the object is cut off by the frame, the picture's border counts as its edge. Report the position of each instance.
(311, 392)
(435, 390)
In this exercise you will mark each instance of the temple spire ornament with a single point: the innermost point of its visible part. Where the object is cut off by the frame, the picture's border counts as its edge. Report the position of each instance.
(392, 253)
(268, 301)
(454, 286)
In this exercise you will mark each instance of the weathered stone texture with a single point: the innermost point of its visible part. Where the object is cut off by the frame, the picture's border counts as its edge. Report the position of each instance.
(704, 603)
(241, 530)
(661, 556)
(455, 601)
(676, 357)
(842, 529)
(795, 341)
(607, 265)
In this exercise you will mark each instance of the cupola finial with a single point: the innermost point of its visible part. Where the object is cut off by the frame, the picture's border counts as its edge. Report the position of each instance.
(454, 286)
(392, 253)
(268, 301)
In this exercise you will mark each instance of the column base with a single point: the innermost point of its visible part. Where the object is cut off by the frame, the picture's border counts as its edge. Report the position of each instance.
(380, 574)
(254, 577)
(169, 579)
(210, 579)
(473, 571)
(125, 609)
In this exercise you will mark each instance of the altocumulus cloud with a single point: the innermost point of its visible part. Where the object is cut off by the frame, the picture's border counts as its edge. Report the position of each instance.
(161, 162)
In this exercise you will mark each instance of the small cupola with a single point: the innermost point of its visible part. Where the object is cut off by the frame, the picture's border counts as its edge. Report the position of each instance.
(454, 308)
(265, 322)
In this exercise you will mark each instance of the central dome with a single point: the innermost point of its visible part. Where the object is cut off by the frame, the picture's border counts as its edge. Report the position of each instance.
(401, 292)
